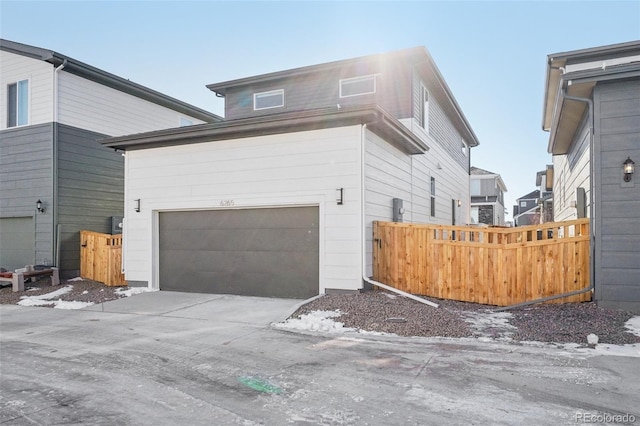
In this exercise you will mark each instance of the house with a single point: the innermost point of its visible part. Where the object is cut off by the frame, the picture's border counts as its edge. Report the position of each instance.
(279, 199)
(55, 178)
(592, 113)
(544, 182)
(487, 197)
(527, 210)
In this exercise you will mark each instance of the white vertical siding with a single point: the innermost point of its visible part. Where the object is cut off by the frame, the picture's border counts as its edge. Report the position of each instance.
(92, 106)
(40, 75)
(303, 168)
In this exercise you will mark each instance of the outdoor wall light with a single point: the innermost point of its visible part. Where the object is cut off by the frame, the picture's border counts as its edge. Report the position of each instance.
(340, 196)
(628, 167)
(39, 206)
(137, 205)
(459, 203)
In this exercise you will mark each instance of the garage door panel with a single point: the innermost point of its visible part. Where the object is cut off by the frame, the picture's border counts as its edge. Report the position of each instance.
(240, 240)
(257, 252)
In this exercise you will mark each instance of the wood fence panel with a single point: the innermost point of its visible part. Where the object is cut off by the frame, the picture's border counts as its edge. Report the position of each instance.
(494, 266)
(101, 258)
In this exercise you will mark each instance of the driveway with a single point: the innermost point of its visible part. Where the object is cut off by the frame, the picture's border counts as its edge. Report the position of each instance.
(169, 358)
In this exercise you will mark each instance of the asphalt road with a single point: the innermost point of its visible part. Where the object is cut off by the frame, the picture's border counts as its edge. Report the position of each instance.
(183, 359)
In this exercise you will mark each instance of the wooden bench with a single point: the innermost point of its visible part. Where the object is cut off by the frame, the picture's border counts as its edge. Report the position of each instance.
(17, 278)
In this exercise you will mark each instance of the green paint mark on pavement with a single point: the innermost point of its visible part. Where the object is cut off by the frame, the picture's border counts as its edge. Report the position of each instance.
(259, 384)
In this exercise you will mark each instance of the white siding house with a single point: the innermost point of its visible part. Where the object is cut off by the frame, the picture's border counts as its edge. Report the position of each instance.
(340, 159)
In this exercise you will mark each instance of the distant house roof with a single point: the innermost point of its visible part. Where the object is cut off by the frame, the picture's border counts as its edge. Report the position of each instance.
(530, 196)
(377, 120)
(107, 79)
(477, 171)
(575, 73)
(417, 56)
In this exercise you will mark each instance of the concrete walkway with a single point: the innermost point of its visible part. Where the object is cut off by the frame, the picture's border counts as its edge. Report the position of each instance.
(175, 358)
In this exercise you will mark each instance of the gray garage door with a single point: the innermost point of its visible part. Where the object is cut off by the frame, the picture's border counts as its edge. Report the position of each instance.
(254, 252)
(16, 242)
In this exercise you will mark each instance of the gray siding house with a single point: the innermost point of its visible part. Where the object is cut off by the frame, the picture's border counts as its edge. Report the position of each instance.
(53, 111)
(592, 114)
(282, 194)
(487, 197)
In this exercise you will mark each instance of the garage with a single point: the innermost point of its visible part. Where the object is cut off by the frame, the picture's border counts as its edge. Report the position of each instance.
(266, 252)
(17, 237)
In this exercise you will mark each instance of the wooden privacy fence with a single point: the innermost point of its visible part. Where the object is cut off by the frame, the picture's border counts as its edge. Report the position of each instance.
(493, 266)
(101, 258)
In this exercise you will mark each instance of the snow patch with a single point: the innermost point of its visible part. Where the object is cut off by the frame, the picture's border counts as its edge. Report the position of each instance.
(633, 325)
(48, 296)
(316, 321)
(488, 324)
(48, 299)
(75, 279)
(132, 290)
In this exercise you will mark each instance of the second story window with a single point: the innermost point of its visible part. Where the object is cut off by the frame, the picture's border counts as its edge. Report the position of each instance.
(18, 104)
(358, 86)
(424, 108)
(266, 100)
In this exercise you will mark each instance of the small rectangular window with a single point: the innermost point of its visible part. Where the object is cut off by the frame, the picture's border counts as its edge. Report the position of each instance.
(424, 108)
(433, 197)
(266, 100)
(357, 86)
(523, 204)
(18, 104)
(476, 187)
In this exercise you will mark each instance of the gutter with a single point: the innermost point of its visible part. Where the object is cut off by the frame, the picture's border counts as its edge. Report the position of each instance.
(364, 229)
(589, 102)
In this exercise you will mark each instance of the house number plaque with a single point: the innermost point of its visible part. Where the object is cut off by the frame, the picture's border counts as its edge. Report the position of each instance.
(227, 203)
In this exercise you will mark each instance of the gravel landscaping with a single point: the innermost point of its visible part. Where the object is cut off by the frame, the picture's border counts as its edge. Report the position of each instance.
(384, 312)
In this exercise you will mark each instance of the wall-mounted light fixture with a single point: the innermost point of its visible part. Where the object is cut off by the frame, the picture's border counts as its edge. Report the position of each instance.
(137, 205)
(39, 206)
(628, 167)
(459, 203)
(340, 196)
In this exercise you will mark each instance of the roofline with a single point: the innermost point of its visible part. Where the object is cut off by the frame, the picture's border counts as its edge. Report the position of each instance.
(420, 52)
(556, 62)
(378, 121)
(97, 75)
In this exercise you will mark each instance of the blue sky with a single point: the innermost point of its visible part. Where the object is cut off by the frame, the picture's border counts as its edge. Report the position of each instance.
(491, 53)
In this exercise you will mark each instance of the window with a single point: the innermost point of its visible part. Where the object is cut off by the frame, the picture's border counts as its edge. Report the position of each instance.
(357, 86)
(475, 215)
(433, 196)
(266, 100)
(424, 108)
(523, 204)
(18, 104)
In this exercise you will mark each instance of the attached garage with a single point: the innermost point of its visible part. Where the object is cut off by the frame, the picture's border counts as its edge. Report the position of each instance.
(17, 249)
(267, 252)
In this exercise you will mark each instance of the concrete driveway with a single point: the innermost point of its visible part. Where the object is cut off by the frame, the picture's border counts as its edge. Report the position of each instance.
(174, 358)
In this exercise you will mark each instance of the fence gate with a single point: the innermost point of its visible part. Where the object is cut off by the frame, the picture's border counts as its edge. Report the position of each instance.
(101, 258)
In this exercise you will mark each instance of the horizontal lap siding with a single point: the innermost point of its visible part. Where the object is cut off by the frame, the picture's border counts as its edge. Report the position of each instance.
(572, 171)
(90, 189)
(303, 168)
(26, 175)
(88, 105)
(617, 250)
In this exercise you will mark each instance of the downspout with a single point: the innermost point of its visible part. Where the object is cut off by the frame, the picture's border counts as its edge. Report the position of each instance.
(56, 231)
(589, 102)
(364, 230)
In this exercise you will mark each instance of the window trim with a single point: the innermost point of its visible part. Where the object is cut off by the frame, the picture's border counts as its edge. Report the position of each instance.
(356, 80)
(256, 95)
(19, 119)
(433, 197)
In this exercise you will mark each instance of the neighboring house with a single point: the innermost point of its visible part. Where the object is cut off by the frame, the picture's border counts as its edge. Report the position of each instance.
(527, 210)
(592, 112)
(279, 199)
(487, 197)
(53, 110)
(544, 182)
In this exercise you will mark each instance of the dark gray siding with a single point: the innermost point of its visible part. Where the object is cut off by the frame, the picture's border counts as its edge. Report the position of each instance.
(617, 204)
(26, 175)
(321, 90)
(90, 190)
